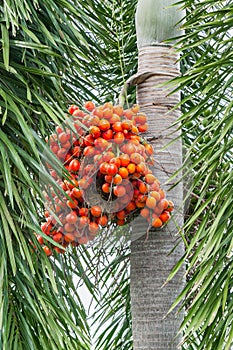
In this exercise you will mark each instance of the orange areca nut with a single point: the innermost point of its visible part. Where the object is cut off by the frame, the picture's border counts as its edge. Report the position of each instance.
(119, 137)
(47, 250)
(131, 168)
(89, 105)
(104, 125)
(149, 149)
(124, 159)
(93, 228)
(119, 191)
(96, 211)
(118, 110)
(69, 237)
(95, 131)
(143, 188)
(143, 127)
(123, 172)
(131, 206)
(150, 178)
(136, 158)
(102, 220)
(145, 212)
(157, 222)
(117, 179)
(151, 202)
(135, 108)
(155, 194)
(165, 216)
(106, 188)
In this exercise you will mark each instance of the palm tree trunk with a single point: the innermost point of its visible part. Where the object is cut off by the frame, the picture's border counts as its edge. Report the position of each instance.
(151, 262)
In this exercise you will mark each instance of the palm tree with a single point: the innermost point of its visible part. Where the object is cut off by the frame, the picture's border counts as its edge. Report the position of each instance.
(152, 261)
(59, 52)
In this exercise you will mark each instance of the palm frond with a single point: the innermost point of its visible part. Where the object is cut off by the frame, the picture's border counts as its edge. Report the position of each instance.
(107, 277)
(206, 85)
(48, 60)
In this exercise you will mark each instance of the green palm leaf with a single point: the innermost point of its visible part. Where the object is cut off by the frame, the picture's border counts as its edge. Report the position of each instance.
(206, 85)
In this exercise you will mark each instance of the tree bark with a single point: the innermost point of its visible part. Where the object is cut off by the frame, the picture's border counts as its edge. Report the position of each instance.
(151, 262)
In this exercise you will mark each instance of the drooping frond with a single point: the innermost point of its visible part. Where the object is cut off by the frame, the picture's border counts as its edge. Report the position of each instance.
(206, 85)
(53, 53)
